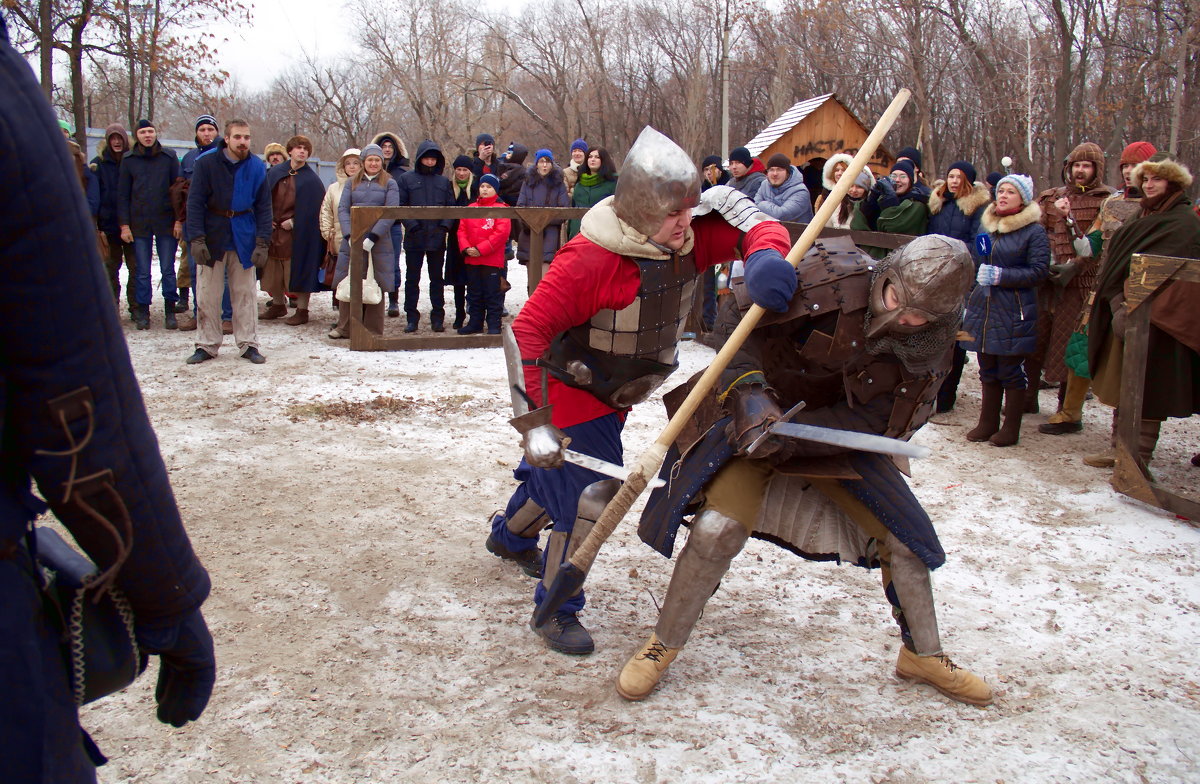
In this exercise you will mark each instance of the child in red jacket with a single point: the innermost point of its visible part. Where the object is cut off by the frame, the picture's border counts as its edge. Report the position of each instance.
(482, 241)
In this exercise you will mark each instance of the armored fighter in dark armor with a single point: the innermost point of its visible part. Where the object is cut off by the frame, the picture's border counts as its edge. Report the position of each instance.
(864, 346)
(598, 335)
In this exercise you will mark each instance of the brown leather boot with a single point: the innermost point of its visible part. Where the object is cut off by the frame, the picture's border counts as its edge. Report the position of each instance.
(1014, 409)
(989, 414)
(186, 322)
(297, 318)
(273, 311)
(1148, 438)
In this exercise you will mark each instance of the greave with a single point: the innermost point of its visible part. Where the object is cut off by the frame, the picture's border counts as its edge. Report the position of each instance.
(561, 544)
(714, 541)
(914, 592)
(528, 521)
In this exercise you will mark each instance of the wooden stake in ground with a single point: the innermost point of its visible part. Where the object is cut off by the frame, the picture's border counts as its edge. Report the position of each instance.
(572, 574)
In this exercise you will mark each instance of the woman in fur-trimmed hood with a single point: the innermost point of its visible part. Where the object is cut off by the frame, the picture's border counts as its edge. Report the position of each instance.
(1002, 310)
(956, 203)
(1167, 227)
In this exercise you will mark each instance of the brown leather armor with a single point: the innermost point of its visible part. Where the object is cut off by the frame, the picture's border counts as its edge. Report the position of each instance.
(621, 356)
(1085, 206)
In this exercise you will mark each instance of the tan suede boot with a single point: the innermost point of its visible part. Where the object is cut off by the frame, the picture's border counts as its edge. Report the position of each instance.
(1069, 417)
(944, 675)
(644, 669)
(297, 318)
(1107, 458)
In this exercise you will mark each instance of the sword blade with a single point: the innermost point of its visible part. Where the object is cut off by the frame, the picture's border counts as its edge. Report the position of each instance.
(605, 467)
(851, 439)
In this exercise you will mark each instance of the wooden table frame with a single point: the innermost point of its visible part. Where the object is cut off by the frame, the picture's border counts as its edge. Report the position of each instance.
(1148, 276)
(536, 218)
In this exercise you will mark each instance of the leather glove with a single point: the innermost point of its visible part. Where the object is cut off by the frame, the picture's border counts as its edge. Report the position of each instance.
(368, 243)
(544, 444)
(987, 275)
(754, 409)
(187, 667)
(770, 279)
(738, 209)
(259, 257)
(200, 252)
(1120, 315)
(1061, 274)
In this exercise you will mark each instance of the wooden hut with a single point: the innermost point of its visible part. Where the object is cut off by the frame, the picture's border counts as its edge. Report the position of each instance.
(816, 128)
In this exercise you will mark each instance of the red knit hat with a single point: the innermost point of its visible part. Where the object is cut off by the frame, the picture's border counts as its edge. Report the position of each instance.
(1137, 152)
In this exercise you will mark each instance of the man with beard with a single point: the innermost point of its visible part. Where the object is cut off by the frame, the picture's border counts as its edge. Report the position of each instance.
(603, 326)
(1067, 215)
(296, 250)
(229, 219)
(864, 346)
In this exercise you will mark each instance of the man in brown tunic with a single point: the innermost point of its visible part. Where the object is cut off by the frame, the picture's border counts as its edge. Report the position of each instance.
(278, 270)
(1067, 215)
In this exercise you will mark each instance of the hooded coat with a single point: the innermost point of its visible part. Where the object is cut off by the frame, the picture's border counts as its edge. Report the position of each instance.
(1002, 319)
(958, 218)
(308, 248)
(144, 199)
(425, 186)
(789, 202)
(752, 180)
(513, 176)
(539, 191)
(399, 163)
(107, 168)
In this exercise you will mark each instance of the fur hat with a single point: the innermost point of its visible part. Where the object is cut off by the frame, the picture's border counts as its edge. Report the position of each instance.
(274, 147)
(742, 156)
(484, 138)
(779, 161)
(865, 179)
(579, 144)
(966, 168)
(827, 170)
(206, 119)
(490, 179)
(462, 162)
(372, 149)
(1163, 165)
(543, 153)
(1136, 152)
(907, 167)
(913, 154)
(1023, 184)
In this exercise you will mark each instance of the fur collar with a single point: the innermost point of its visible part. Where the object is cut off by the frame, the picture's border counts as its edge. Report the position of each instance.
(602, 226)
(978, 197)
(1010, 223)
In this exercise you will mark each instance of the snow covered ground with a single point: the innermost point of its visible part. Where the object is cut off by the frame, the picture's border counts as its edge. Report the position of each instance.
(365, 635)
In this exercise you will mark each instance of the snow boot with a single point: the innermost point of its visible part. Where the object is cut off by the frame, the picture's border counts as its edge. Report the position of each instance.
(169, 316)
(944, 675)
(644, 669)
(989, 413)
(1014, 409)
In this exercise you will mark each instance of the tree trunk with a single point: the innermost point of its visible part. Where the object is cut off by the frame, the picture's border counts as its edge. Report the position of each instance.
(46, 48)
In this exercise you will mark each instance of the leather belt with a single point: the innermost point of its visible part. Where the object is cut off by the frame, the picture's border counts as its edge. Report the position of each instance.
(227, 213)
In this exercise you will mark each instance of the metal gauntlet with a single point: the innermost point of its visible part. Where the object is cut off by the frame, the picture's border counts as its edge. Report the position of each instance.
(542, 441)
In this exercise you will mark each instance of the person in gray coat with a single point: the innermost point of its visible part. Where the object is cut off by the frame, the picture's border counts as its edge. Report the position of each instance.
(783, 194)
(371, 187)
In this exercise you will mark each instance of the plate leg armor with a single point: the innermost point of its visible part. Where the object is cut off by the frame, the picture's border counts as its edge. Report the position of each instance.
(563, 543)
(713, 542)
(910, 592)
(528, 521)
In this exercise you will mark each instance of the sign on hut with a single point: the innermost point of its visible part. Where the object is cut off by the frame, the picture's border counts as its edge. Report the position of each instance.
(816, 128)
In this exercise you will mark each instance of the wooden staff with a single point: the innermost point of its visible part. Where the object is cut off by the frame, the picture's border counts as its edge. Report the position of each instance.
(572, 574)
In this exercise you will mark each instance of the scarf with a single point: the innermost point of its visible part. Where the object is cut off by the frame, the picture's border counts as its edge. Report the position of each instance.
(1005, 213)
(589, 180)
(1162, 203)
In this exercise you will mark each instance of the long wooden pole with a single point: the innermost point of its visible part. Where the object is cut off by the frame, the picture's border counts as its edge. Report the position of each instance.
(648, 465)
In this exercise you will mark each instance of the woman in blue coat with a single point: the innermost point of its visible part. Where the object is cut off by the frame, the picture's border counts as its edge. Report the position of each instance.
(1002, 311)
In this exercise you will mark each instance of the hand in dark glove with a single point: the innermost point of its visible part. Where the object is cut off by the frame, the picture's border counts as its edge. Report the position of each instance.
(259, 257)
(1061, 274)
(187, 667)
(200, 252)
(884, 186)
(754, 409)
(770, 279)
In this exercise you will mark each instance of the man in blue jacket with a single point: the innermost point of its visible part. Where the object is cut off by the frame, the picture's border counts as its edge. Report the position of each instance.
(73, 421)
(229, 221)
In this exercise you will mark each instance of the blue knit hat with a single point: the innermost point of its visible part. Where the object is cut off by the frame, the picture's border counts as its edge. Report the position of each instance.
(579, 144)
(907, 167)
(490, 179)
(1023, 184)
(543, 153)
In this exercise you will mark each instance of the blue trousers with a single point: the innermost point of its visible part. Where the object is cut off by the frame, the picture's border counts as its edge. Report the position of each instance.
(1007, 371)
(143, 252)
(557, 490)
